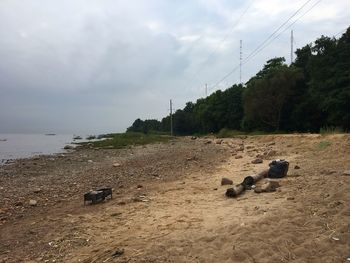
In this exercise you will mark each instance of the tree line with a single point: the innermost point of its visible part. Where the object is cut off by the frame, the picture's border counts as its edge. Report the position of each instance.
(311, 93)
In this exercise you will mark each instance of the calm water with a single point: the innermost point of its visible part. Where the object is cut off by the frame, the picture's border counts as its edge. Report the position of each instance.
(27, 145)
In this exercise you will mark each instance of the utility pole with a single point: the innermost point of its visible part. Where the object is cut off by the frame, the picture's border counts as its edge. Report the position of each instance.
(291, 47)
(240, 61)
(206, 90)
(171, 118)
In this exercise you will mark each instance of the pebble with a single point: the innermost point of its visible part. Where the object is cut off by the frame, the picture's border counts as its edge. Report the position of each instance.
(296, 167)
(36, 190)
(347, 172)
(116, 164)
(33, 202)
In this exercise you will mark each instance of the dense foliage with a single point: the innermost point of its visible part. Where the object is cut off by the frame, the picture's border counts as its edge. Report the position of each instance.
(312, 93)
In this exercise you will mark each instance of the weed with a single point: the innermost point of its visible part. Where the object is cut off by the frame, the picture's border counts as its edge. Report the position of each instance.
(330, 130)
(122, 140)
(324, 144)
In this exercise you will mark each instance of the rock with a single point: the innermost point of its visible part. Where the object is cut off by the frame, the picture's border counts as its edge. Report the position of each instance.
(90, 161)
(218, 142)
(207, 142)
(193, 138)
(271, 143)
(226, 181)
(33, 202)
(68, 147)
(238, 156)
(19, 203)
(241, 148)
(257, 160)
(347, 172)
(118, 252)
(116, 165)
(139, 186)
(36, 190)
(296, 167)
(328, 172)
(267, 187)
(290, 198)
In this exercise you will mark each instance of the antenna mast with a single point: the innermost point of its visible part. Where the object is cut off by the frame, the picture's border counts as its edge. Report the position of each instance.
(291, 46)
(240, 61)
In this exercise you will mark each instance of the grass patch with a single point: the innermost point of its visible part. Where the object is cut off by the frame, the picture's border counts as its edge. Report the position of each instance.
(227, 133)
(323, 145)
(331, 130)
(122, 140)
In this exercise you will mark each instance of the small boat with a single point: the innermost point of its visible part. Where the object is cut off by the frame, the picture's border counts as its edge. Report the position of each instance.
(77, 137)
(50, 134)
(3, 140)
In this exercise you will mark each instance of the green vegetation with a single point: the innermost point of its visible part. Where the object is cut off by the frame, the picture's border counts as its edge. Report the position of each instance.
(121, 140)
(323, 145)
(330, 130)
(312, 93)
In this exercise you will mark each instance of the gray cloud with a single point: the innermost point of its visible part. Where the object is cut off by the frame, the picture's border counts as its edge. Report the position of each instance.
(78, 66)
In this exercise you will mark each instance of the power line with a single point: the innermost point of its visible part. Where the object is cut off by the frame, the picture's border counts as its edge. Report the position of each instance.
(270, 36)
(222, 41)
(340, 32)
(265, 44)
(289, 26)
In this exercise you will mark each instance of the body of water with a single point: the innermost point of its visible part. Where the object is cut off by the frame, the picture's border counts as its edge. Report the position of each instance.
(14, 146)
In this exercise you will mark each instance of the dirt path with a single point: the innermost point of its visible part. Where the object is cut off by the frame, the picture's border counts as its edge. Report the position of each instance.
(190, 220)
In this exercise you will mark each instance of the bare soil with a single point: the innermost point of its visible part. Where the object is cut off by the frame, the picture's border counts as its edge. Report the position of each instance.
(168, 204)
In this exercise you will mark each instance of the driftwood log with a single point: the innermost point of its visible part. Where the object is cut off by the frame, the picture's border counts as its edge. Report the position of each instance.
(246, 184)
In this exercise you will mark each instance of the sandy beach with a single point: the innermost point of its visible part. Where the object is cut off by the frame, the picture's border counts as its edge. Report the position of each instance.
(169, 206)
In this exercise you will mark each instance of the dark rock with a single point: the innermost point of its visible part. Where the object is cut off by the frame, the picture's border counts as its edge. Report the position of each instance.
(257, 160)
(118, 253)
(296, 167)
(36, 190)
(68, 147)
(226, 181)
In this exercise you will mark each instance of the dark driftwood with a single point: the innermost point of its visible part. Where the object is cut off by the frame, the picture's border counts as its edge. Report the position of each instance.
(246, 184)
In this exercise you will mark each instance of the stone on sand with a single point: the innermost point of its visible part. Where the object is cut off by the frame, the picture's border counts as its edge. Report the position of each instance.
(226, 181)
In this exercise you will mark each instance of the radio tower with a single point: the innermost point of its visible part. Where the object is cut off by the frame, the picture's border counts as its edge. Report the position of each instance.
(240, 61)
(291, 47)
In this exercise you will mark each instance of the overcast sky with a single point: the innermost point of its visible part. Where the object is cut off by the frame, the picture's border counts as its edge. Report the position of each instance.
(94, 66)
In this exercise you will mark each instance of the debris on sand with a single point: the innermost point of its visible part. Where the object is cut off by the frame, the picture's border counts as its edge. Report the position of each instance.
(118, 252)
(226, 181)
(267, 186)
(257, 160)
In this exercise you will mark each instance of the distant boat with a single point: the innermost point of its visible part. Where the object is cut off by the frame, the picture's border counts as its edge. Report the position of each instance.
(50, 134)
(77, 138)
(3, 140)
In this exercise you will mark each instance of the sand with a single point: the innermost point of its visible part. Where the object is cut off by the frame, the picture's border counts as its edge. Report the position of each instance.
(186, 217)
